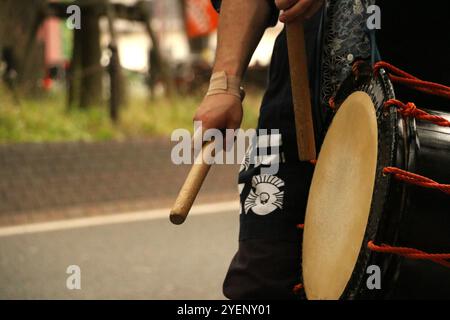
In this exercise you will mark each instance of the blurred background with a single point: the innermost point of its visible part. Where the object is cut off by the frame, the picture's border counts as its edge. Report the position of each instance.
(86, 113)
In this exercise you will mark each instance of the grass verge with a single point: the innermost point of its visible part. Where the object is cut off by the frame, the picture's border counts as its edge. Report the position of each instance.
(46, 119)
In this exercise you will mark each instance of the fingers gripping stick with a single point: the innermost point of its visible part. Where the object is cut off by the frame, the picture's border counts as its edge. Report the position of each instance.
(300, 90)
(220, 83)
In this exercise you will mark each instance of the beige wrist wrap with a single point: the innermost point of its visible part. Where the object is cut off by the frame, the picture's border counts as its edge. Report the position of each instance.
(221, 83)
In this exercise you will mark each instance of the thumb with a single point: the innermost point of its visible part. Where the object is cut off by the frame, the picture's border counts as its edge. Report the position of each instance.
(197, 137)
(230, 134)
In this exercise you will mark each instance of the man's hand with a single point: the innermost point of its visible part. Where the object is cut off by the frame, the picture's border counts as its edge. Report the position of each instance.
(293, 9)
(220, 111)
(241, 26)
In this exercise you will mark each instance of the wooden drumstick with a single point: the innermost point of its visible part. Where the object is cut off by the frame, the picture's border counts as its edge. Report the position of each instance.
(300, 90)
(191, 186)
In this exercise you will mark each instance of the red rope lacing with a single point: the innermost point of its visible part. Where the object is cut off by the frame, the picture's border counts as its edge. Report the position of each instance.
(407, 110)
(332, 103)
(399, 76)
(297, 288)
(355, 67)
(416, 179)
(411, 253)
(410, 110)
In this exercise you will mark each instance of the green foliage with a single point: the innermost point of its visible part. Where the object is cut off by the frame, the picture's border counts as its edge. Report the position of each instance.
(46, 119)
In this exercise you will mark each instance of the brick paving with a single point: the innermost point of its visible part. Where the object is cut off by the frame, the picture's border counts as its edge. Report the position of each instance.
(42, 182)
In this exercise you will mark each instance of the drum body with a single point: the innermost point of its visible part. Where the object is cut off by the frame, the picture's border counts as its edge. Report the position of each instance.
(425, 220)
(400, 215)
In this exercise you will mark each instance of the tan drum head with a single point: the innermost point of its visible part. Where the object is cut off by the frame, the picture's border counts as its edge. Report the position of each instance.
(340, 199)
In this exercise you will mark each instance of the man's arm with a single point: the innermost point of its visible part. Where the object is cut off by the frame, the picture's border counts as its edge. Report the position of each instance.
(241, 26)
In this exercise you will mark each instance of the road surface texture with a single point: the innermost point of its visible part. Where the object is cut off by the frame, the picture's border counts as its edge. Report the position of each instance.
(146, 259)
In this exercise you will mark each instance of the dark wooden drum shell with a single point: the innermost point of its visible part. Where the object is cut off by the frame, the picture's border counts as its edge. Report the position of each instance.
(425, 221)
(401, 215)
(404, 215)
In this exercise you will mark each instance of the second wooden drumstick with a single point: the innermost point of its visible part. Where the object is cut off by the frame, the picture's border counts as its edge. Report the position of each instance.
(300, 90)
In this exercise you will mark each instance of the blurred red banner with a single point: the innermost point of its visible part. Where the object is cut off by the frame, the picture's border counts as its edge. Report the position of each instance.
(201, 18)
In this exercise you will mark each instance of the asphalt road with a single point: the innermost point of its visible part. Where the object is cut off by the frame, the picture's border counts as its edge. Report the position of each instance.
(149, 259)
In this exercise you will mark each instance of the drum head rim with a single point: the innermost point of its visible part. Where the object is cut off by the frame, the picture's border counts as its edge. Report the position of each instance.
(386, 210)
(340, 200)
